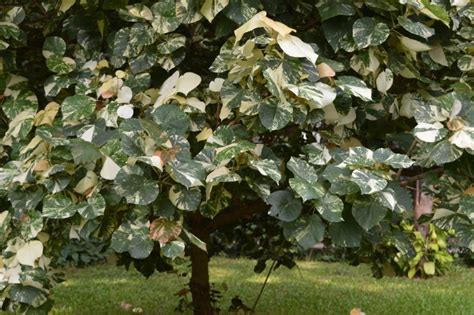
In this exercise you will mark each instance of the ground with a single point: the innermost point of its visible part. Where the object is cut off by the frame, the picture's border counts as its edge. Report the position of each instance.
(312, 288)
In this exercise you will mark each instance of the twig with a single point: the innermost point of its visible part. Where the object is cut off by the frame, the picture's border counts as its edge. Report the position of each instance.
(412, 147)
(263, 286)
(420, 176)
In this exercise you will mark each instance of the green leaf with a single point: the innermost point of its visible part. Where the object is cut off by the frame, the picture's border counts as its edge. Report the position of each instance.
(430, 132)
(132, 238)
(368, 182)
(345, 234)
(317, 153)
(83, 151)
(368, 213)
(193, 239)
(429, 268)
(305, 181)
(367, 32)
(330, 207)
(173, 249)
(171, 118)
(189, 173)
(284, 206)
(92, 208)
(232, 150)
(416, 28)
(240, 11)
(435, 11)
(164, 16)
(77, 107)
(61, 65)
(268, 168)
(24, 101)
(330, 9)
(305, 189)
(466, 63)
(360, 156)
(58, 206)
(185, 199)
(275, 114)
(54, 46)
(466, 206)
(395, 160)
(354, 86)
(136, 188)
(445, 152)
(307, 231)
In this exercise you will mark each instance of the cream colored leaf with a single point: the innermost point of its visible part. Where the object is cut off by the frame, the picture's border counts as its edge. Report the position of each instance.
(204, 134)
(109, 169)
(124, 95)
(384, 81)
(66, 5)
(47, 115)
(216, 85)
(187, 82)
(88, 182)
(293, 46)
(437, 55)
(414, 45)
(29, 252)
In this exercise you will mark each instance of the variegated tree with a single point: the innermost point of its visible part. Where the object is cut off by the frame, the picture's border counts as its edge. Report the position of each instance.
(153, 125)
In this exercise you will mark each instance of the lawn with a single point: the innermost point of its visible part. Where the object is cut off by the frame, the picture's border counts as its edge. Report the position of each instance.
(312, 288)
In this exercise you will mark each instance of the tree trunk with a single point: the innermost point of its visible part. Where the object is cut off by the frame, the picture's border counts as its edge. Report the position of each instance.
(199, 284)
(423, 205)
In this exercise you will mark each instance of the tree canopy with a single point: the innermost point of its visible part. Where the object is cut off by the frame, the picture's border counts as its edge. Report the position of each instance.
(153, 124)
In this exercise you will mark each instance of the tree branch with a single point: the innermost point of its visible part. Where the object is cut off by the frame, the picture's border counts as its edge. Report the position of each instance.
(234, 214)
(420, 176)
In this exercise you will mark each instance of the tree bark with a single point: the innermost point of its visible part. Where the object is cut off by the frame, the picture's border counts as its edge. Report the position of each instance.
(199, 283)
(423, 205)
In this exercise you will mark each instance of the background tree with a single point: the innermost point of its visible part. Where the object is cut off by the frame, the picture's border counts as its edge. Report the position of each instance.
(154, 124)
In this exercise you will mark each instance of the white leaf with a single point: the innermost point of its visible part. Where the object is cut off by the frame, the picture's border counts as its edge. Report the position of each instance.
(428, 132)
(124, 95)
(187, 82)
(463, 138)
(384, 81)
(88, 134)
(295, 47)
(125, 111)
(437, 55)
(414, 45)
(109, 169)
(86, 183)
(29, 252)
(216, 85)
(167, 89)
(456, 109)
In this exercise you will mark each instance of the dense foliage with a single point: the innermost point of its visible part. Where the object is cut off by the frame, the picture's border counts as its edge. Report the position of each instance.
(153, 124)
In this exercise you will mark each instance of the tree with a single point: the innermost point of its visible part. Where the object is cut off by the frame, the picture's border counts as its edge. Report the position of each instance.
(154, 124)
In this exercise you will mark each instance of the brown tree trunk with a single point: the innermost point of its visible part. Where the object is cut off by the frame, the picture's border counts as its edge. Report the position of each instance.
(423, 205)
(199, 284)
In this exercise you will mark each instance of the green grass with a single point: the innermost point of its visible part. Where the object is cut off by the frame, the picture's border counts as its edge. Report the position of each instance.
(313, 288)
